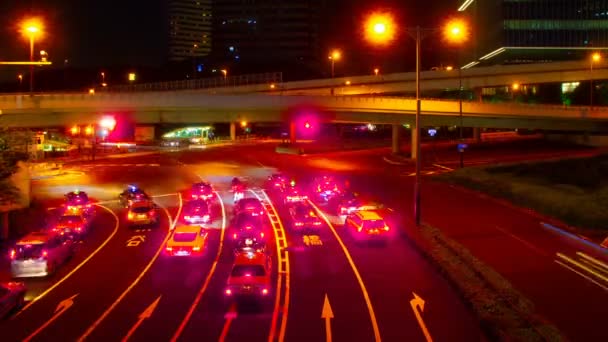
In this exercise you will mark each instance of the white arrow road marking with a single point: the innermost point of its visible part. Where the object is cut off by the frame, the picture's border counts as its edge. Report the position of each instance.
(418, 302)
(327, 314)
(62, 307)
(147, 313)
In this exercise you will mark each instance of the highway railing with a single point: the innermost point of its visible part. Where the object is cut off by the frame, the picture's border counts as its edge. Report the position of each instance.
(202, 83)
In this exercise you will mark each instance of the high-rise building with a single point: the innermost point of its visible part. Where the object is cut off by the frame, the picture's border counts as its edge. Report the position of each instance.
(190, 23)
(518, 31)
(263, 32)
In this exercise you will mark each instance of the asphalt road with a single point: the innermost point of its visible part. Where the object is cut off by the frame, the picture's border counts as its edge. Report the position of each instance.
(102, 293)
(566, 278)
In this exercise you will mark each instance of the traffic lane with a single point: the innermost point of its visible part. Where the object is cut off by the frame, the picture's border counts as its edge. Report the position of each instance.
(176, 280)
(252, 319)
(101, 228)
(392, 285)
(483, 227)
(317, 271)
(96, 284)
(515, 245)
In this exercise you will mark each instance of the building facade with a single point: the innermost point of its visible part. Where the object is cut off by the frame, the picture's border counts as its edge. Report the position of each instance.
(264, 32)
(520, 31)
(190, 25)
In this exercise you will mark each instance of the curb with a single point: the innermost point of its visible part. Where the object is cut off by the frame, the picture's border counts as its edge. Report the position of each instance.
(392, 162)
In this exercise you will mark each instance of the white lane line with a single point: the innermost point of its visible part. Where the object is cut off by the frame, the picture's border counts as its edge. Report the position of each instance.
(582, 275)
(524, 242)
(581, 266)
(443, 167)
(368, 302)
(141, 275)
(77, 267)
(593, 260)
(203, 288)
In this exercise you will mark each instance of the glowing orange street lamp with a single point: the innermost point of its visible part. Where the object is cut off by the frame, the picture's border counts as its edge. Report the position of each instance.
(376, 71)
(334, 56)
(380, 29)
(31, 28)
(225, 73)
(74, 130)
(515, 86)
(89, 130)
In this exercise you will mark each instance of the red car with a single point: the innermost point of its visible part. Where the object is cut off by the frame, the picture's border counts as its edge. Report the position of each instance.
(12, 297)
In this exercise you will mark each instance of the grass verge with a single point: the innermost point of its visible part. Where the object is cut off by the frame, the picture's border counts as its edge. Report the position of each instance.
(572, 190)
(503, 312)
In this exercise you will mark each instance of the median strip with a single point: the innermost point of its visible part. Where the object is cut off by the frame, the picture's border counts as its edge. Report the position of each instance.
(503, 312)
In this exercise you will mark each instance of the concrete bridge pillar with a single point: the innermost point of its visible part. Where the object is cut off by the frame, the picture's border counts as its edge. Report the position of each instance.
(396, 139)
(292, 132)
(415, 137)
(232, 131)
(477, 134)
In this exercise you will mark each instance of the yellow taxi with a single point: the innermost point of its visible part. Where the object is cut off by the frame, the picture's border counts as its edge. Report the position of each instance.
(250, 275)
(186, 241)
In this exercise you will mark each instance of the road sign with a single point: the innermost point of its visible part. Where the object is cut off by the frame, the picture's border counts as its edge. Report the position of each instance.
(462, 147)
(432, 132)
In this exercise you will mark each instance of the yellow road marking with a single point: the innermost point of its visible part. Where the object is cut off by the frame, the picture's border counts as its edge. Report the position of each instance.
(141, 275)
(283, 268)
(368, 302)
(77, 267)
(203, 288)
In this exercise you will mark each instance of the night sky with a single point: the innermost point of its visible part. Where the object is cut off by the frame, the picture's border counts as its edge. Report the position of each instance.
(133, 32)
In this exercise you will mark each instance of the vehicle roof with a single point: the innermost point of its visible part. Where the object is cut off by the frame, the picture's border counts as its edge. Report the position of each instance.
(368, 215)
(76, 193)
(187, 229)
(249, 200)
(36, 238)
(142, 204)
(250, 258)
(197, 203)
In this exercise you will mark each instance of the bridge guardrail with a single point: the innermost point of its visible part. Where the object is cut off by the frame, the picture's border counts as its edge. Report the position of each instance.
(201, 83)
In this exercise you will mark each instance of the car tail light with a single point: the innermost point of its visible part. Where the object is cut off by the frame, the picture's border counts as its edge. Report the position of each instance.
(88, 205)
(359, 229)
(261, 212)
(195, 196)
(151, 212)
(264, 291)
(206, 217)
(262, 235)
(78, 229)
(196, 248)
(234, 236)
(187, 217)
(228, 292)
(45, 253)
(130, 215)
(317, 223)
(13, 254)
(169, 249)
(299, 224)
(386, 228)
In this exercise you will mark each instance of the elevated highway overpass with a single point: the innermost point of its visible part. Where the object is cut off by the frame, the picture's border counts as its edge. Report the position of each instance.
(190, 107)
(399, 83)
(194, 107)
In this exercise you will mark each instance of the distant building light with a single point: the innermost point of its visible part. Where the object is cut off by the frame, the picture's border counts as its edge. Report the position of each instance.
(569, 87)
(237, 57)
(131, 76)
(91, 91)
(231, 48)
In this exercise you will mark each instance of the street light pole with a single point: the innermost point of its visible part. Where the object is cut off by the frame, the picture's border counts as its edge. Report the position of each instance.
(591, 86)
(417, 202)
(460, 150)
(31, 60)
(332, 66)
